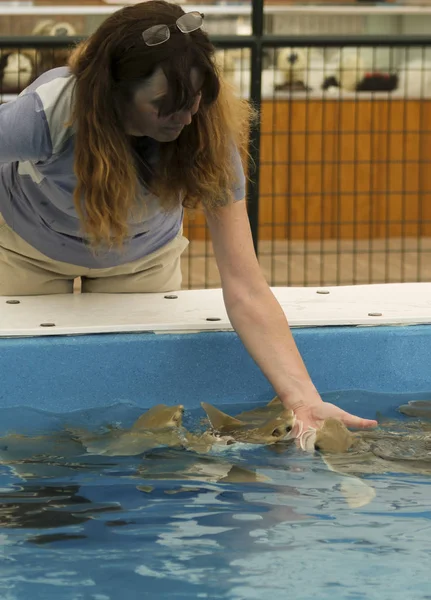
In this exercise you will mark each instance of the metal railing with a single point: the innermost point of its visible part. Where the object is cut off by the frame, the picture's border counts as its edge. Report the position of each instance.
(341, 185)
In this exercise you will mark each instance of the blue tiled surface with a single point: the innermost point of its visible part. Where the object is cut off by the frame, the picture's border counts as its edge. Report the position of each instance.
(75, 372)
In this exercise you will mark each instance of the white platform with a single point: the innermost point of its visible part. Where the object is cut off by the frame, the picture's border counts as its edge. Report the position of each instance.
(399, 304)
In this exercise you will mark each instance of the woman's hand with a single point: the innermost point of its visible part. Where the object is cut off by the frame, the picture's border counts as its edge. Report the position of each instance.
(311, 412)
(313, 415)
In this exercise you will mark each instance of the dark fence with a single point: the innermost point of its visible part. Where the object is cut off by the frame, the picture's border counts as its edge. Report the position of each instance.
(341, 190)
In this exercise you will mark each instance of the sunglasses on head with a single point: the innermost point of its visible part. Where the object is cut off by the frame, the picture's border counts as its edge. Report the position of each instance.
(158, 34)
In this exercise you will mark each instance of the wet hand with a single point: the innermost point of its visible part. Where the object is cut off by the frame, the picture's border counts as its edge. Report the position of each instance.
(311, 414)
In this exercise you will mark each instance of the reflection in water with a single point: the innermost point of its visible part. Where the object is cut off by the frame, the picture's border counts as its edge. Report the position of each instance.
(55, 537)
(159, 473)
(45, 457)
(45, 507)
(184, 465)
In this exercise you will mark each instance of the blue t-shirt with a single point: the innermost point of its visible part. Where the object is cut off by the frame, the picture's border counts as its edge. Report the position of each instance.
(37, 181)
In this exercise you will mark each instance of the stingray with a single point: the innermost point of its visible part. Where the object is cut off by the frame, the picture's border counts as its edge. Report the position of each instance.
(417, 408)
(161, 425)
(408, 450)
(370, 453)
(264, 425)
(45, 456)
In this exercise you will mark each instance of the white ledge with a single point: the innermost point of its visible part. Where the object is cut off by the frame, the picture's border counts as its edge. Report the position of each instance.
(78, 314)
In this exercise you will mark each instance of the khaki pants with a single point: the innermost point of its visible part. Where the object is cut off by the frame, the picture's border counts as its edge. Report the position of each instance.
(24, 271)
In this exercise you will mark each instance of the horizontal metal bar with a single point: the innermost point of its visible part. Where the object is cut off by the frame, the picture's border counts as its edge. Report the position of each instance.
(246, 41)
(33, 41)
(326, 41)
(277, 41)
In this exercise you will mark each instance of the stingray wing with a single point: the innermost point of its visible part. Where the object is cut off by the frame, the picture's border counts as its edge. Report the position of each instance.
(261, 414)
(275, 402)
(221, 421)
(159, 416)
(94, 443)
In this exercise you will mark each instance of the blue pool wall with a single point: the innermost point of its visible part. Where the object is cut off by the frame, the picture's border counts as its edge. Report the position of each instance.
(66, 373)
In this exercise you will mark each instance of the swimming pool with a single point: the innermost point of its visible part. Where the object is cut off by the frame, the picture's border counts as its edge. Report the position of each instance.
(103, 528)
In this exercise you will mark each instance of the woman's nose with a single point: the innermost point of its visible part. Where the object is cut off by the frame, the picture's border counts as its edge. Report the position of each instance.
(183, 117)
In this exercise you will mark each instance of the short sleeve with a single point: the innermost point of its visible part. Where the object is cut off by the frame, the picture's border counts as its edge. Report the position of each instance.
(24, 131)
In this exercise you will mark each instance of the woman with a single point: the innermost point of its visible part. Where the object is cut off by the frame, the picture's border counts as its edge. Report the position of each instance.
(102, 156)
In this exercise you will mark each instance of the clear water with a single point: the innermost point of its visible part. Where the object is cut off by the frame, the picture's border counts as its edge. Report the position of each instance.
(79, 528)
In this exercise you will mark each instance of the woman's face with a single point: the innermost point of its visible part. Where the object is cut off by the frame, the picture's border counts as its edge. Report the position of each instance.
(142, 114)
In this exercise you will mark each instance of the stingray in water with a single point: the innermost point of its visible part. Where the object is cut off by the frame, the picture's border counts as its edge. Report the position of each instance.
(263, 425)
(161, 425)
(417, 408)
(380, 451)
(41, 456)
